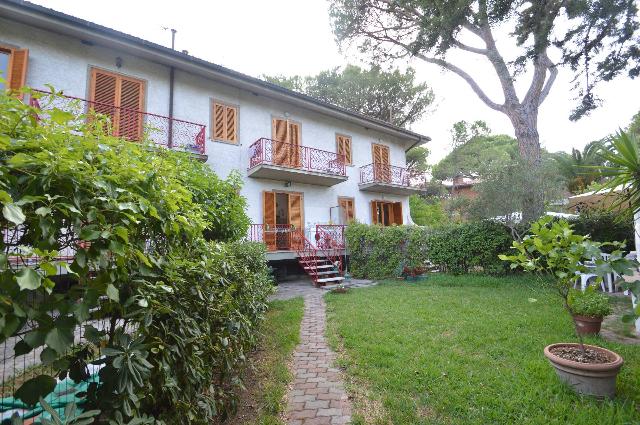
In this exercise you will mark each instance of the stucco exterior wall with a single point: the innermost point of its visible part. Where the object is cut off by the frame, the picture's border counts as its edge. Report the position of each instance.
(65, 63)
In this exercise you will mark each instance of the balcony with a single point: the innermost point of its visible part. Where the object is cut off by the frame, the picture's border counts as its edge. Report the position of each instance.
(132, 125)
(383, 178)
(274, 160)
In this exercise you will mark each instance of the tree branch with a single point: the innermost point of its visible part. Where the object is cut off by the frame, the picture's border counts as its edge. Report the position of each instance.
(465, 76)
(553, 73)
(539, 89)
(468, 48)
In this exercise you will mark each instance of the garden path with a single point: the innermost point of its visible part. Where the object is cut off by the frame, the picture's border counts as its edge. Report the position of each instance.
(317, 395)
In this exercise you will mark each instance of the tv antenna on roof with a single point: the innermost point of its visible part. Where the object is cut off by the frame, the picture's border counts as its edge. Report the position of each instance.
(173, 36)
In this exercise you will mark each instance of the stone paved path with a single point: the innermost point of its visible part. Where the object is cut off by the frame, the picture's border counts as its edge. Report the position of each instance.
(317, 395)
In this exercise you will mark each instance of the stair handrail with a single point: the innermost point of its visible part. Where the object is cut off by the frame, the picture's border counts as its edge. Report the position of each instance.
(306, 250)
(330, 247)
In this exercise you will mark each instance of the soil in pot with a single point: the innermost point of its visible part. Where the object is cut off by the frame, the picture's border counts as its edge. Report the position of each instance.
(575, 354)
(586, 325)
(592, 372)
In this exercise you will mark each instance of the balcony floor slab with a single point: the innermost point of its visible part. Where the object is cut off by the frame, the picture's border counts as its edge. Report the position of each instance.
(275, 172)
(394, 189)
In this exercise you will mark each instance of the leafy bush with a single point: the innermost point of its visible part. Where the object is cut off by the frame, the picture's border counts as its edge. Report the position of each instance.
(427, 212)
(605, 226)
(200, 332)
(468, 247)
(377, 252)
(134, 219)
(589, 303)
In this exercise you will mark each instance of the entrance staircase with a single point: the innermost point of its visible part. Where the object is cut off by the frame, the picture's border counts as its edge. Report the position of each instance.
(321, 261)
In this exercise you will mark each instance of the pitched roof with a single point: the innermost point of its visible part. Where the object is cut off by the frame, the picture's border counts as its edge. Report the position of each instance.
(89, 32)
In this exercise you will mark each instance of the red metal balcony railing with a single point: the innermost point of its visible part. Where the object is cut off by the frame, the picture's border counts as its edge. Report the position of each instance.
(131, 124)
(383, 173)
(275, 237)
(289, 155)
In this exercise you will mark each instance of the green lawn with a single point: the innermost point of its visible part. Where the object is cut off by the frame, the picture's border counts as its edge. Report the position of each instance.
(267, 380)
(466, 350)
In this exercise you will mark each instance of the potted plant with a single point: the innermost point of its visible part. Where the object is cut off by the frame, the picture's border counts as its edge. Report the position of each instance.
(588, 309)
(339, 289)
(552, 248)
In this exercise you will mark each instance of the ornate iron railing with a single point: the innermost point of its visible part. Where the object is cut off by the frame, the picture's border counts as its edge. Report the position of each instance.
(330, 236)
(289, 155)
(383, 173)
(129, 124)
(276, 237)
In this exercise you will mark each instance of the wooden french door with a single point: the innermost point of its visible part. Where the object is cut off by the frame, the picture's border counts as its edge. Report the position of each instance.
(386, 213)
(286, 143)
(282, 213)
(121, 99)
(381, 163)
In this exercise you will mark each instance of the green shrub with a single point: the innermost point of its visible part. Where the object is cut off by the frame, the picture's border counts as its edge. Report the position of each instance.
(468, 247)
(377, 252)
(605, 226)
(201, 331)
(589, 303)
(178, 310)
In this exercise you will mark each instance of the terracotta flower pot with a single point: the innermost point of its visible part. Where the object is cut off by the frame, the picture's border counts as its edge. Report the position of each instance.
(587, 325)
(587, 378)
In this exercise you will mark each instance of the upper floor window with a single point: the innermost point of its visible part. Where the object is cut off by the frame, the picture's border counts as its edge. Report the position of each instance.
(121, 98)
(224, 121)
(13, 67)
(344, 147)
(380, 154)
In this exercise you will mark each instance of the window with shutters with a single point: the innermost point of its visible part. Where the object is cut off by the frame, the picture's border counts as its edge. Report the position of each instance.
(120, 98)
(13, 68)
(224, 122)
(344, 148)
(286, 137)
(347, 210)
(386, 213)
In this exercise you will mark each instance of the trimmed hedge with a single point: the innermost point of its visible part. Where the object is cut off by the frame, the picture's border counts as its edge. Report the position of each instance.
(606, 226)
(377, 252)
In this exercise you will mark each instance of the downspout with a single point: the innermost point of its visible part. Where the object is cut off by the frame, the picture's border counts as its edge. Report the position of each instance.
(172, 72)
(171, 83)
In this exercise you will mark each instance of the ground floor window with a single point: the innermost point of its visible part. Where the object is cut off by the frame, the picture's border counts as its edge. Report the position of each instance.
(347, 210)
(386, 213)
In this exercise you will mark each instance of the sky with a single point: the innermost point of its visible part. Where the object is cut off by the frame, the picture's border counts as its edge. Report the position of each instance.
(290, 37)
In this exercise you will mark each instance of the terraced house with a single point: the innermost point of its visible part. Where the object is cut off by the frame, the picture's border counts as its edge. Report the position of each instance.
(308, 166)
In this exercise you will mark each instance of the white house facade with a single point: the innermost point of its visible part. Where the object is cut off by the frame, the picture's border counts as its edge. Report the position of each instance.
(303, 162)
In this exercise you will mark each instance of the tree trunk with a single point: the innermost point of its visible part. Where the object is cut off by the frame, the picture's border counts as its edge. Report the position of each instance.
(525, 125)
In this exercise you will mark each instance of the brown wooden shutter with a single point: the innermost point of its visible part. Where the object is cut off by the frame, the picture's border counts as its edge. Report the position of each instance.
(397, 213)
(219, 122)
(121, 99)
(295, 210)
(269, 219)
(130, 119)
(231, 124)
(18, 62)
(294, 139)
(225, 123)
(347, 209)
(374, 212)
(104, 89)
(280, 149)
(295, 219)
(344, 148)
